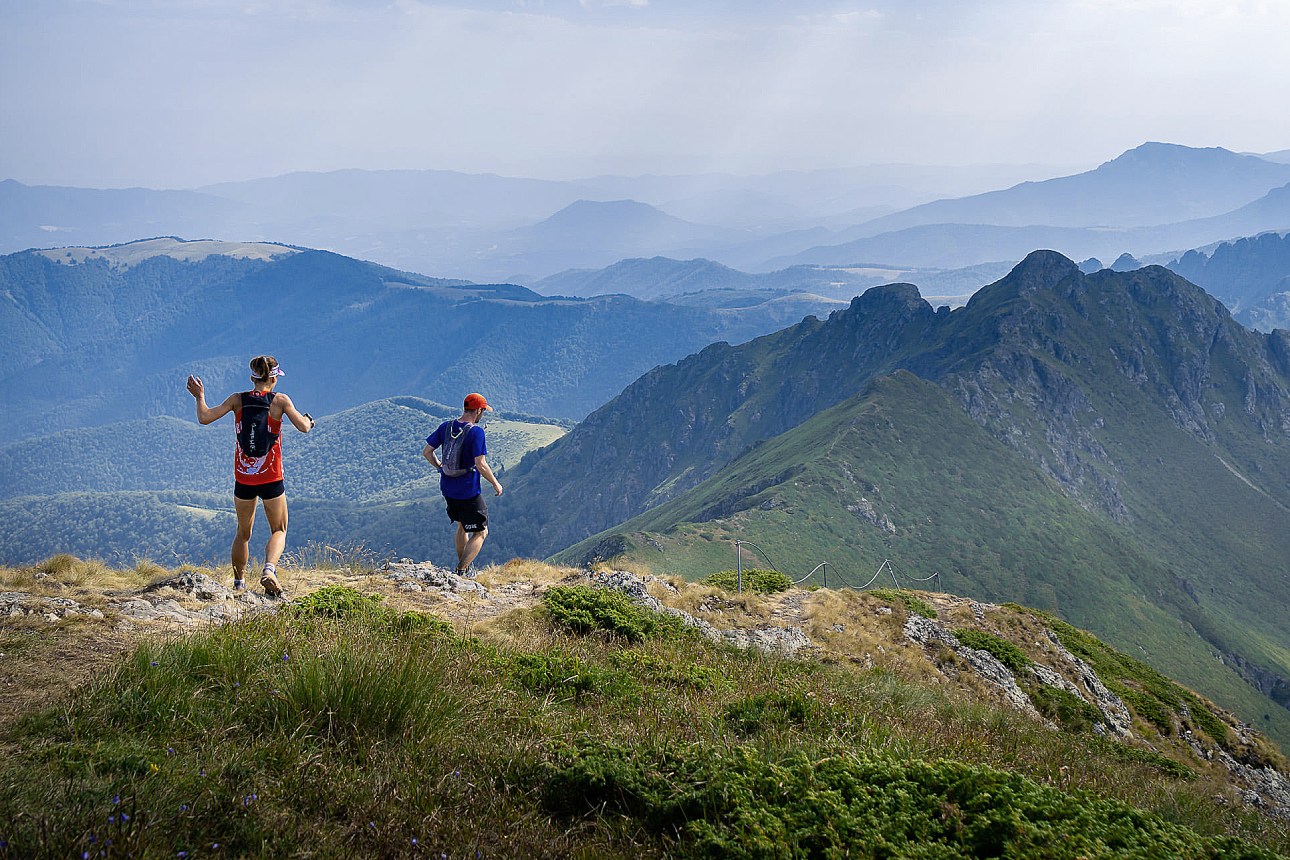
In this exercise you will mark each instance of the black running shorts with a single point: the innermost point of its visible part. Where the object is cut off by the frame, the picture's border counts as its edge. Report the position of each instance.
(271, 490)
(472, 513)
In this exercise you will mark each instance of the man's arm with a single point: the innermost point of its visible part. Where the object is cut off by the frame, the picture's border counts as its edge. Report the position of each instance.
(428, 453)
(208, 414)
(301, 421)
(481, 464)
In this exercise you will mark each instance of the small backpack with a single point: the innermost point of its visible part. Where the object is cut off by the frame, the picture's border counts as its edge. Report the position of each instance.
(452, 455)
(253, 435)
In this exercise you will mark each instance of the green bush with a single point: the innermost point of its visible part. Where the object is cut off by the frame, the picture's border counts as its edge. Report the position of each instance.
(1004, 651)
(754, 579)
(1150, 709)
(337, 601)
(686, 675)
(1208, 722)
(912, 602)
(1138, 755)
(582, 609)
(741, 804)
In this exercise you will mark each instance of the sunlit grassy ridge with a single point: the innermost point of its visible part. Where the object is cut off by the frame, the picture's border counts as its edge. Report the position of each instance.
(343, 727)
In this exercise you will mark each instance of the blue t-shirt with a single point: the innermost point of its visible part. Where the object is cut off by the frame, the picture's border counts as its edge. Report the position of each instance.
(463, 486)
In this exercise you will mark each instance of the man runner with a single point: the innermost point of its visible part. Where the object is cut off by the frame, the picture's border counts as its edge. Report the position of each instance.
(462, 447)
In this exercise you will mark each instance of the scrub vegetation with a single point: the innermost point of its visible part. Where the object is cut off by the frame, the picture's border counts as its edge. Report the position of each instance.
(583, 726)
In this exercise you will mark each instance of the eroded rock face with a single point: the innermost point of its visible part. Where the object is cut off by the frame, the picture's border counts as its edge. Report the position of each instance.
(928, 632)
(198, 585)
(1114, 712)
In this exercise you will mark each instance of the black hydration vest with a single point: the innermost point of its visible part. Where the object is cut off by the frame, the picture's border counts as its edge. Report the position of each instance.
(253, 435)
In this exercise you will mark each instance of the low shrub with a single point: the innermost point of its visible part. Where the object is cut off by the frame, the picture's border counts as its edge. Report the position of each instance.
(740, 803)
(754, 579)
(758, 713)
(337, 601)
(1151, 758)
(582, 609)
(559, 673)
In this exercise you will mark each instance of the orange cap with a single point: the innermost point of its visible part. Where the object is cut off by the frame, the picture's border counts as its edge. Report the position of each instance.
(477, 401)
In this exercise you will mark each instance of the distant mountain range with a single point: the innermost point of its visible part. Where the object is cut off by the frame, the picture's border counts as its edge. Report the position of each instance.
(707, 282)
(1112, 445)
(92, 336)
(1154, 184)
(1154, 199)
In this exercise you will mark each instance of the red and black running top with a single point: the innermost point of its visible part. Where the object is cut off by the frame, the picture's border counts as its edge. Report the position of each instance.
(257, 454)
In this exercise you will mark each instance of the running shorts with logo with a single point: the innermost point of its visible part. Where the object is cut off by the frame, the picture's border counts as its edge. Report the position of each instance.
(471, 513)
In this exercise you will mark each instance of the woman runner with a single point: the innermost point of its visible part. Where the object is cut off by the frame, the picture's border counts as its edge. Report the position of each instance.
(257, 462)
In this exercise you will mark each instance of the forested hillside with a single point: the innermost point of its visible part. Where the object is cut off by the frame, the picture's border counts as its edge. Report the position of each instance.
(88, 339)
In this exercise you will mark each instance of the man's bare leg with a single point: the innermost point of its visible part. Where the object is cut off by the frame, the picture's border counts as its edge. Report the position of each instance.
(460, 540)
(474, 543)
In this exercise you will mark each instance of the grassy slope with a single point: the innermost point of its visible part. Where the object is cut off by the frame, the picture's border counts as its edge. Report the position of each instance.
(360, 734)
(962, 504)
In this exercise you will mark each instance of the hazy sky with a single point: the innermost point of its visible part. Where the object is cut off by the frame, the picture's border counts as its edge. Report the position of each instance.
(186, 92)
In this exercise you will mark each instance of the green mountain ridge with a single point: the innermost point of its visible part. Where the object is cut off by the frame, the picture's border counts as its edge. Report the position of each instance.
(1134, 396)
(901, 472)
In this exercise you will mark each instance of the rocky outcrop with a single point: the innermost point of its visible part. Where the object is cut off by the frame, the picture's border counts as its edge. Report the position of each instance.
(422, 575)
(930, 634)
(19, 604)
(786, 641)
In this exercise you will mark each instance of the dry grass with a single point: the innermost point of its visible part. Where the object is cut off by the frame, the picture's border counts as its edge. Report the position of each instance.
(869, 636)
(524, 570)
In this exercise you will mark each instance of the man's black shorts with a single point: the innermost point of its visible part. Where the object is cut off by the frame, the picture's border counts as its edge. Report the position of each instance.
(271, 490)
(472, 513)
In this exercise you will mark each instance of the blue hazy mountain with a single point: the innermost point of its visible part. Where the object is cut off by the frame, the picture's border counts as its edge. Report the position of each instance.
(957, 245)
(1155, 183)
(89, 336)
(37, 216)
(706, 282)
(1250, 275)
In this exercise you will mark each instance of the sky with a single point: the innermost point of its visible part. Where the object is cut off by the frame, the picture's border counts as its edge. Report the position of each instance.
(182, 93)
